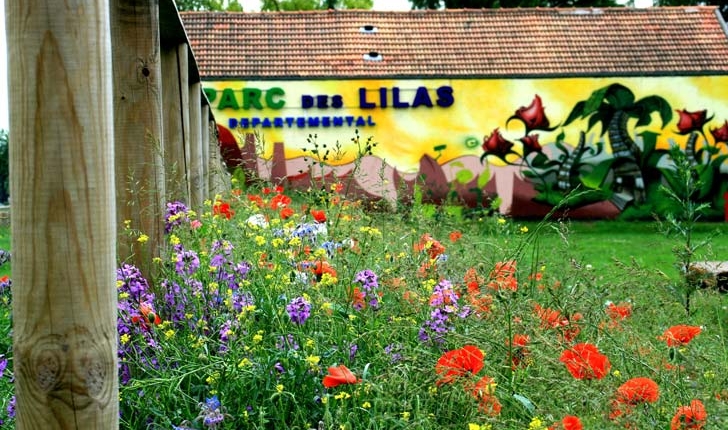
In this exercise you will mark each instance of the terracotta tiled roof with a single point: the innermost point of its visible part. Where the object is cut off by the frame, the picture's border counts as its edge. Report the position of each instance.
(460, 43)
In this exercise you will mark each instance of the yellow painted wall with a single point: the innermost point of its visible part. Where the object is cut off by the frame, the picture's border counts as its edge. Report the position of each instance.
(478, 106)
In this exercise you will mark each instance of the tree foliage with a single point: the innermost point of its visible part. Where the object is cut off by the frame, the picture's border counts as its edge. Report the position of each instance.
(290, 5)
(213, 5)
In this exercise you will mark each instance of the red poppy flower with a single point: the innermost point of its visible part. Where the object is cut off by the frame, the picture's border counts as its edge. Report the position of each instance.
(619, 312)
(339, 375)
(533, 116)
(286, 213)
(584, 361)
(519, 352)
(691, 417)
(569, 422)
(691, 121)
(679, 335)
(455, 236)
(638, 390)
(484, 392)
(148, 315)
(720, 134)
(530, 143)
(357, 299)
(280, 201)
(496, 144)
(223, 209)
(459, 362)
(319, 268)
(318, 216)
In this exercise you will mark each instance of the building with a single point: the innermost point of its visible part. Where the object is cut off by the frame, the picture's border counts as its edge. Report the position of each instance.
(525, 104)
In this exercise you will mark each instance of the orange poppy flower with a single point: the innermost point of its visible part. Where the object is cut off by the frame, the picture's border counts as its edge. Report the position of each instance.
(619, 312)
(484, 392)
(455, 236)
(569, 422)
(679, 335)
(459, 362)
(339, 375)
(429, 245)
(691, 417)
(584, 361)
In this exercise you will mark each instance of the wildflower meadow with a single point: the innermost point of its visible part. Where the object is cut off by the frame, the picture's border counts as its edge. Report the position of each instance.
(278, 309)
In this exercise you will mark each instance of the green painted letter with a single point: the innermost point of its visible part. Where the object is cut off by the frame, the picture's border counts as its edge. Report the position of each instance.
(228, 100)
(275, 92)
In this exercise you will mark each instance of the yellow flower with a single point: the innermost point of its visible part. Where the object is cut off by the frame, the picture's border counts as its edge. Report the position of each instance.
(405, 415)
(174, 240)
(279, 388)
(123, 296)
(260, 240)
(157, 260)
(617, 373)
(143, 238)
(125, 338)
(313, 361)
(501, 221)
(536, 424)
(277, 242)
(212, 378)
(342, 396)
(524, 229)
(245, 362)
(127, 223)
(257, 338)
(169, 334)
(366, 405)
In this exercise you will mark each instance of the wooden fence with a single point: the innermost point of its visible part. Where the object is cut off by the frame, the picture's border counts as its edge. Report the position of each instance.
(108, 122)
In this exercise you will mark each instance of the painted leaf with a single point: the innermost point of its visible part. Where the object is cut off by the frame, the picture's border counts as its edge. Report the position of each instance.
(484, 177)
(596, 177)
(651, 104)
(619, 96)
(464, 176)
(576, 113)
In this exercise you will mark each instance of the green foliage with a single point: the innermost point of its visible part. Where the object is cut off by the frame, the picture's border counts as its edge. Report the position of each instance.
(4, 167)
(685, 192)
(292, 5)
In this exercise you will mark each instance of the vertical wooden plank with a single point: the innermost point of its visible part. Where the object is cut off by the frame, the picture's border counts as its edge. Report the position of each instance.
(218, 172)
(63, 214)
(139, 153)
(196, 173)
(175, 112)
(205, 130)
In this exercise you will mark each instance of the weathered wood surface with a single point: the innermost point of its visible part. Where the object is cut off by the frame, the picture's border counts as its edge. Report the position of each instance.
(197, 196)
(63, 214)
(139, 153)
(175, 97)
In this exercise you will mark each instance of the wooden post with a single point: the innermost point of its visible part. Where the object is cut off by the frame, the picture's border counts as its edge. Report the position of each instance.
(205, 130)
(139, 155)
(175, 97)
(217, 172)
(196, 173)
(63, 214)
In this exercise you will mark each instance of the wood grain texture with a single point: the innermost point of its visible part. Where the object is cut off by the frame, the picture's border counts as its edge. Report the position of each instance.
(205, 133)
(176, 123)
(63, 214)
(139, 153)
(197, 195)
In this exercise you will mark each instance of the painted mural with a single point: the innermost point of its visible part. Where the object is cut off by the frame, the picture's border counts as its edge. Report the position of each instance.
(525, 143)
